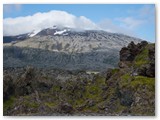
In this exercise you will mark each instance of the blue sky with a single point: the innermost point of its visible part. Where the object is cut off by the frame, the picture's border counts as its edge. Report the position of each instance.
(132, 19)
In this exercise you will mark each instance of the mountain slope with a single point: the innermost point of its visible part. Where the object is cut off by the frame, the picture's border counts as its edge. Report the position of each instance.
(67, 48)
(71, 41)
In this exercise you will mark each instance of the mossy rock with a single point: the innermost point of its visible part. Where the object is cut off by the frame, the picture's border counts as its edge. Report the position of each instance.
(29, 104)
(142, 58)
(115, 70)
(135, 81)
(51, 104)
(8, 105)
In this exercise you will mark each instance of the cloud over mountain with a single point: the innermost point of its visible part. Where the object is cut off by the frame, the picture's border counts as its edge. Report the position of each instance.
(21, 25)
(134, 23)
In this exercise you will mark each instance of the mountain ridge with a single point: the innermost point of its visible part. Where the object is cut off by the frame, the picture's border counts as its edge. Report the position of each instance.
(84, 50)
(74, 41)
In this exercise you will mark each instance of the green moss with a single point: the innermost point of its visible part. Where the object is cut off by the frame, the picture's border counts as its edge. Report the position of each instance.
(27, 97)
(119, 107)
(93, 109)
(125, 80)
(50, 104)
(55, 88)
(141, 80)
(136, 81)
(92, 92)
(142, 58)
(31, 104)
(8, 104)
(100, 81)
(115, 70)
(125, 77)
(79, 101)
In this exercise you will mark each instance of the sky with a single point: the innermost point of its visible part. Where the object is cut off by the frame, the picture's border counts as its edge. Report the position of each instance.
(136, 20)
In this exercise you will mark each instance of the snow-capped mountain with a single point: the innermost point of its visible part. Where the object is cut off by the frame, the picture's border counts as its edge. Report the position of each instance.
(49, 31)
(68, 40)
(66, 47)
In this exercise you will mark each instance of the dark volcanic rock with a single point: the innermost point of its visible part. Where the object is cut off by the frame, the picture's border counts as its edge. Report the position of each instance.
(108, 74)
(126, 98)
(128, 53)
(148, 69)
(8, 87)
(24, 83)
(151, 68)
(150, 72)
(65, 108)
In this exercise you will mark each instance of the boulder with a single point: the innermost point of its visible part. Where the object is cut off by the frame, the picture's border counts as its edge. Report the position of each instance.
(126, 55)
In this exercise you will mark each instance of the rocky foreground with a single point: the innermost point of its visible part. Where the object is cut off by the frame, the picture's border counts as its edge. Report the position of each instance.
(126, 90)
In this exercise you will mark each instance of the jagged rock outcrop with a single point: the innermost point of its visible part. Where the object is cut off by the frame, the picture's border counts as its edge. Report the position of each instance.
(129, 53)
(133, 83)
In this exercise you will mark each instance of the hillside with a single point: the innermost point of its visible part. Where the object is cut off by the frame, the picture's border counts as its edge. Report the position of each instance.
(65, 48)
(128, 89)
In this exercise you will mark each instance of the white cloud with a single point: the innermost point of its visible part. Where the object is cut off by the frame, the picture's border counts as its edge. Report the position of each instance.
(109, 25)
(21, 25)
(130, 22)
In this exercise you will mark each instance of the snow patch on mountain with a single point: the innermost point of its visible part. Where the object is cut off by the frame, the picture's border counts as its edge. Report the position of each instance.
(60, 32)
(34, 33)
